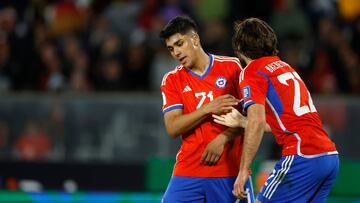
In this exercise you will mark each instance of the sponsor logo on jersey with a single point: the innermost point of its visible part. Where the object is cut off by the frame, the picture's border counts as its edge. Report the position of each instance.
(246, 92)
(220, 82)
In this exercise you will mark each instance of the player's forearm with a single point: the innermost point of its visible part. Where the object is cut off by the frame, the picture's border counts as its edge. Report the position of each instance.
(254, 131)
(231, 133)
(253, 135)
(184, 123)
(267, 127)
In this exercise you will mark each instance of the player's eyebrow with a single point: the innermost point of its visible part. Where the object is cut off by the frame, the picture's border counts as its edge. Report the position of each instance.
(178, 42)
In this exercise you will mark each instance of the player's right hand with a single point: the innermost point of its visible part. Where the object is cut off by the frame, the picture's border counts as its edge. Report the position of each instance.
(239, 189)
(221, 104)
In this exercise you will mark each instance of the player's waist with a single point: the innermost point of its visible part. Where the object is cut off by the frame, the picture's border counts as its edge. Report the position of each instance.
(222, 170)
(308, 152)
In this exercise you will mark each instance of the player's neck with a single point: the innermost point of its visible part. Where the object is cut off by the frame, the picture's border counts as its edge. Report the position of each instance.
(202, 63)
(247, 60)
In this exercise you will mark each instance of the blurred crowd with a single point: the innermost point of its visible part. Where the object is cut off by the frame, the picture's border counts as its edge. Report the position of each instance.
(113, 45)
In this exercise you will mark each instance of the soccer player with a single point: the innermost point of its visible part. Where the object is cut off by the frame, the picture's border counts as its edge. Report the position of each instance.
(203, 84)
(273, 92)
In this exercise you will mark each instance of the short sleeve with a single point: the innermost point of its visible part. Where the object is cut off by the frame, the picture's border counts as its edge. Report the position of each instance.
(237, 70)
(253, 87)
(170, 94)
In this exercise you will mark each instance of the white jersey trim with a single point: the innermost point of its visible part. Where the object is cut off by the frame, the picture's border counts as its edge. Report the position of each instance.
(227, 58)
(170, 73)
(298, 148)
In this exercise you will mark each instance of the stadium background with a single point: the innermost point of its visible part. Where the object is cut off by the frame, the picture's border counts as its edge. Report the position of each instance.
(80, 108)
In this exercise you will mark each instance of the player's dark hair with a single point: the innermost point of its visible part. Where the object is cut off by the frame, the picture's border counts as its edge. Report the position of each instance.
(254, 38)
(179, 24)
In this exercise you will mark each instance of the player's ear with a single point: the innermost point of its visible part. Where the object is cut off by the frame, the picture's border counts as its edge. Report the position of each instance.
(196, 39)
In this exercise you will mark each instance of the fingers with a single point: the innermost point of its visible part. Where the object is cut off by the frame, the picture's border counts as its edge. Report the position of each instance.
(221, 122)
(216, 159)
(225, 120)
(212, 159)
(227, 99)
(225, 96)
(239, 192)
(209, 158)
(203, 158)
(220, 118)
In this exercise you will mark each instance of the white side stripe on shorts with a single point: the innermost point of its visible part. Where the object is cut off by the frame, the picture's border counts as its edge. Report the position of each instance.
(276, 175)
(283, 176)
(285, 166)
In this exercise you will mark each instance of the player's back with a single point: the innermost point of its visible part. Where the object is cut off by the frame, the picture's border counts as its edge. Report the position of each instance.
(290, 110)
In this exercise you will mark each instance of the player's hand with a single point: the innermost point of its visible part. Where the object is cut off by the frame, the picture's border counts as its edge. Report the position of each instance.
(213, 150)
(232, 119)
(239, 185)
(221, 104)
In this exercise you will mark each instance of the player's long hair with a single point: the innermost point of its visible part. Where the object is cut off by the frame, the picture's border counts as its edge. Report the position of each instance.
(179, 24)
(254, 38)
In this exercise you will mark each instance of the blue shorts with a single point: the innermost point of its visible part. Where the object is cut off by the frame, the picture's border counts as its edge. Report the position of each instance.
(298, 179)
(210, 190)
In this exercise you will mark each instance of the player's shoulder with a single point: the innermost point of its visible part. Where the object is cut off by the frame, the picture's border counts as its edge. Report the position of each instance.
(253, 68)
(227, 59)
(172, 74)
(263, 66)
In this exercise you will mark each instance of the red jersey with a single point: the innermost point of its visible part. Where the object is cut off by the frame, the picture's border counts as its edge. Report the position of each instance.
(290, 111)
(184, 89)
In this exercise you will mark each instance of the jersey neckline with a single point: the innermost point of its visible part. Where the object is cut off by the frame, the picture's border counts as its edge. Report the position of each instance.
(207, 69)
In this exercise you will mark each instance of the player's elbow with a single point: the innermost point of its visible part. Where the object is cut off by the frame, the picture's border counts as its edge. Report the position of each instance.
(172, 133)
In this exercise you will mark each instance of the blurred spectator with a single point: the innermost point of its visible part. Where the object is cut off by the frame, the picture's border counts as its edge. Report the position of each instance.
(217, 38)
(79, 75)
(5, 80)
(170, 9)
(147, 14)
(5, 146)
(349, 10)
(62, 45)
(296, 23)
(112, 46)
(110, 75)
(33, 144)
(211, 10)
(64, 17)
(138, 61)
(121, 16)
(52, 78)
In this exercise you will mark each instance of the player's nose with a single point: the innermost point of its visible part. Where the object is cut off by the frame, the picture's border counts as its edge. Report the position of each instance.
(177, 52)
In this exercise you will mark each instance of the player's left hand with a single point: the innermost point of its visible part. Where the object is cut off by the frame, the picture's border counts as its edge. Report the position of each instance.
(239, 185)
(213, 150)
(232, 119)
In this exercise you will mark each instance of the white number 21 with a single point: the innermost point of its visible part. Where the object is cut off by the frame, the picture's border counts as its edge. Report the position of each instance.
(299, 110)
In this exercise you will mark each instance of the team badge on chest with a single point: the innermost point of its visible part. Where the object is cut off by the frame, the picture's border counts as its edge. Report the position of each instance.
(220, 82)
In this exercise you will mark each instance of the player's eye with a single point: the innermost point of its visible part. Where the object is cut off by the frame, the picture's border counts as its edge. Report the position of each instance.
(179, 43)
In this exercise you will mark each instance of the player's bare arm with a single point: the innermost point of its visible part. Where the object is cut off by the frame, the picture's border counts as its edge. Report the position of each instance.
(215, 148)
(177, 123)
(254, 131)
(234, 119)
